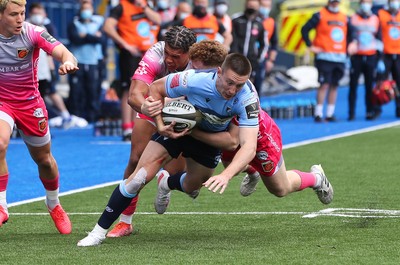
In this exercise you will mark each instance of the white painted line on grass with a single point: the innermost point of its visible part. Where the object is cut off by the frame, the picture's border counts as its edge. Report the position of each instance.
(330, 212)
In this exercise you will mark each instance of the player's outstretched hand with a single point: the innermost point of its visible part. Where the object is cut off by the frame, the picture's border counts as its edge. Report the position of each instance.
(151, 107)
(218, 182)
(67, 68)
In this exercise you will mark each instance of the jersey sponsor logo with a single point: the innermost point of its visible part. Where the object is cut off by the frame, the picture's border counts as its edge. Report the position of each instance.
(268, 166)
(45, 35)
(142, 69)
(38, 113)
(174, 81)
(252, 111)
(22, 52)
(185, 79)
(42, 125)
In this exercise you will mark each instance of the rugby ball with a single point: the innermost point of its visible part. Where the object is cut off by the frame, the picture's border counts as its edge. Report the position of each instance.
(182, 112)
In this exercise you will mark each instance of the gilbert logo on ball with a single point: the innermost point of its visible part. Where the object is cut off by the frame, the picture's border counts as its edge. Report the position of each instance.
(182, 112)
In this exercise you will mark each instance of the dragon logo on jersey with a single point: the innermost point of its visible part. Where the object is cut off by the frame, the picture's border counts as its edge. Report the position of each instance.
(268, 166)
(22, 53)
(42, 125)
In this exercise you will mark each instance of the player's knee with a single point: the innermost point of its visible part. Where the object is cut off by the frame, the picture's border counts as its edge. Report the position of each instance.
(279, 192)
(45, 161)
(3, 148)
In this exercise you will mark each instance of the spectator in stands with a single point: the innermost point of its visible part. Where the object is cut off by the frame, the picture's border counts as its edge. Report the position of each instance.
(366, 25)
(389, 23)
(377, 5)
(334, 39)
(221, 12)
(204, 24)
(271, 34)
(46, 68)
(129, 26)
(249, 37)
(85, 35)
(183, 9)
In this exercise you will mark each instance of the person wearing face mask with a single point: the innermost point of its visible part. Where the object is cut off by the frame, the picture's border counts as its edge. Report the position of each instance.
(166, 10)
(183, 9)
(46, 69)
(366, 25)
(85, 35)
(268, 62)
(129, 25)
(389, 23)
(205, 25)
(220, 11)
(249, 37)
(335, 38)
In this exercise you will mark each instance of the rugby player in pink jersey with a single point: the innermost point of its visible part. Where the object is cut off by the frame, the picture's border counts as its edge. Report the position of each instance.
(22, 105)
(164, 57)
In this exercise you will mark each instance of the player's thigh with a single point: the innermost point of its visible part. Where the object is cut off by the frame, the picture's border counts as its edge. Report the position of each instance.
(196, 175)
(278, 181)
(40, 153)
(141, 135)
(176, 165)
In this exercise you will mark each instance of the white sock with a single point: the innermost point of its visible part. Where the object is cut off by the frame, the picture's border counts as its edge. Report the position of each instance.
(318, 110)
(3, 201)
(318, 181)
(65, 115)
(52, 198)
(127, 219)
(99, 230)
(330, 110)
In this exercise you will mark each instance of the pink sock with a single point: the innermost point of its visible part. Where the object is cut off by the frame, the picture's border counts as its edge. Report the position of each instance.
(50, 184)
(130, 210)
(307, 179)
(3, 182)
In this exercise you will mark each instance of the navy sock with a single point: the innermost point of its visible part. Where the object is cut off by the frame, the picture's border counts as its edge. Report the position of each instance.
(174, 181)
(115, 207)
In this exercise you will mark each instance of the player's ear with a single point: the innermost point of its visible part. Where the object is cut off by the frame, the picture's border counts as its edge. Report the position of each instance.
(219, 71)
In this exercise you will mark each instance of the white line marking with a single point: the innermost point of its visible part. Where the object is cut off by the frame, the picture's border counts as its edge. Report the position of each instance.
(330, 212)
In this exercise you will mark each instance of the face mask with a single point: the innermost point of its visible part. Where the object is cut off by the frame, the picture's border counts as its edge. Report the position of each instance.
(220, 10)
(37, 19)
(199, 11)
(250, 11)
(366, 7)
(183, 15)
(394, 5)
(334, 9)
(264, 11)
(163, 5)
(86, 14)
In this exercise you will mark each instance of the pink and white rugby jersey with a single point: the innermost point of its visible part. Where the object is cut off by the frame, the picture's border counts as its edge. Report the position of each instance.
(19, 56)
(152, 65)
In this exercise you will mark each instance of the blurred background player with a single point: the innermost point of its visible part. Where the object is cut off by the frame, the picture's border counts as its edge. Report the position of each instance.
(164, 57)
(249, 36)
(46, 69)
(22, 105)
(334, 39)
(364, 61)
(389, 23)
(268, 62)
(129, 26)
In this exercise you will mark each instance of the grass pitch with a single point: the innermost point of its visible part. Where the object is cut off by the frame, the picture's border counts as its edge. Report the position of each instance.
(361, 226)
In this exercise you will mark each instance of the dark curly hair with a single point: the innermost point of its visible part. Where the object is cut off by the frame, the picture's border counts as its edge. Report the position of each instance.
(180, 37)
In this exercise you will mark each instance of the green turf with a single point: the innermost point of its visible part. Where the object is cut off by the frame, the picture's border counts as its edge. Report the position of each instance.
(363, 170)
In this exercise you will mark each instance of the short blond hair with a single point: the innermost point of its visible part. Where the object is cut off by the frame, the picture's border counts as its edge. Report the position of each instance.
(210, 52)
(4, 3)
